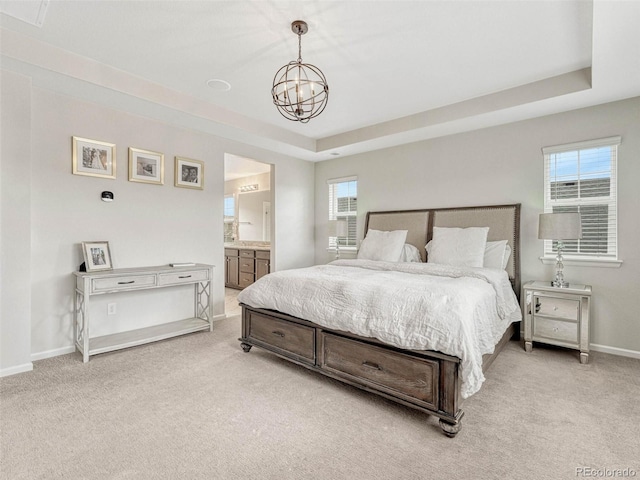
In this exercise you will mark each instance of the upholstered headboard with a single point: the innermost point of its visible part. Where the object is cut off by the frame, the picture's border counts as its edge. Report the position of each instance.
(503, 222)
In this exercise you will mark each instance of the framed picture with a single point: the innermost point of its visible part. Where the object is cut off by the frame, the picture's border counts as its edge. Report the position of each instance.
(146, 166)
(97, 256)
(93, 158)
(189, 173)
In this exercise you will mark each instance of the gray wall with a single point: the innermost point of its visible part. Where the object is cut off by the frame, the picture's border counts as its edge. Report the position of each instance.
(15, 223)
(145, 225)
(503, 165)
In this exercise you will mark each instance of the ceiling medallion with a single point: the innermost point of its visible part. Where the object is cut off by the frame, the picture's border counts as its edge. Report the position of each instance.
(300, 90)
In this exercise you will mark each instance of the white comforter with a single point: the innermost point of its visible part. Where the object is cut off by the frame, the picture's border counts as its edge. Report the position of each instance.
(458, 311)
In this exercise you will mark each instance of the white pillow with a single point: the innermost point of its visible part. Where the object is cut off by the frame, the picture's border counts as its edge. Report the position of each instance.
(384, 246)
(496, 254)
(463, 247)
(410, 254)
(492, 254)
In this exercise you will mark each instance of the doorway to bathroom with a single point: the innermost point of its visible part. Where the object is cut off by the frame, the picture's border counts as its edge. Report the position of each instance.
(248, 223)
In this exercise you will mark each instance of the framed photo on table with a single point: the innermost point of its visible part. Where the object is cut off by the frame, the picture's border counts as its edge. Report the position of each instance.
(93, 158)
(146, 166)
(97, 256)
(189, 173)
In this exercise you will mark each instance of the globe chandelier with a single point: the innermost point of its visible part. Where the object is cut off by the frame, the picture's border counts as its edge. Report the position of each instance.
(300, 90)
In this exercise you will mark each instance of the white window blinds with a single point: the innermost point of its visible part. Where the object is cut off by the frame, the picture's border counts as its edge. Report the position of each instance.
(343, 205)
(582, 177)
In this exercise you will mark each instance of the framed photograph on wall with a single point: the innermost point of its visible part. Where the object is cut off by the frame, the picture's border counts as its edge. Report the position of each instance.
(146, 166)
(93, 158)
(189, 173)
(97, 256)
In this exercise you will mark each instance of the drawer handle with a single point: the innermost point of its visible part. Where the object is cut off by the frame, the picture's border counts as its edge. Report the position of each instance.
(126, 283)
(278, 334)
(185, 276)
(371, 365)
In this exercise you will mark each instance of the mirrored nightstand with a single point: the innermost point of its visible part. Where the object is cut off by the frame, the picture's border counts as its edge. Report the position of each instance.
(557, 316)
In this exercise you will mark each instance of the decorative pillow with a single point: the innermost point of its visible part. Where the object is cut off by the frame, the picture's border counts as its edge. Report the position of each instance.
(384, 246)
(496, 254)
(410, 254)
(463, 247)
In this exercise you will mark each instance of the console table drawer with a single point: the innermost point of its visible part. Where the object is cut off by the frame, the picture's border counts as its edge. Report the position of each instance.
(182, 277)
(287, 337)
(129, 282)
(385, 370)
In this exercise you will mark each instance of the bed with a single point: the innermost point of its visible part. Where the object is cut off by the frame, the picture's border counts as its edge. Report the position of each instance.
(408, 358)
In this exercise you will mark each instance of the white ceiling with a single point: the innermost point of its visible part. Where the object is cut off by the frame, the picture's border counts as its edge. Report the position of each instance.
(398, 71)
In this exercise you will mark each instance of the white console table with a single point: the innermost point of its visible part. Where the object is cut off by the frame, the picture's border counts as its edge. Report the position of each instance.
(89, 284)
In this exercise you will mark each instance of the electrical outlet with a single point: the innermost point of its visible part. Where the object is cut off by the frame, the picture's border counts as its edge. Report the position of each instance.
(111, 309)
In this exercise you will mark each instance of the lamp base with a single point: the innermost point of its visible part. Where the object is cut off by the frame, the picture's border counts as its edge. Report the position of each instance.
(557, 284)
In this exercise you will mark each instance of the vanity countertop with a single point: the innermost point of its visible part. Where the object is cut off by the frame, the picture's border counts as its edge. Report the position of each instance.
(248, 246)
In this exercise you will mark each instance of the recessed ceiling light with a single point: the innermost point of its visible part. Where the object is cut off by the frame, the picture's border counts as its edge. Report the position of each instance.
(219, 85)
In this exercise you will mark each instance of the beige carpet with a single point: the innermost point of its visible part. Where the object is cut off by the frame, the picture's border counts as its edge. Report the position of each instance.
(198, 407)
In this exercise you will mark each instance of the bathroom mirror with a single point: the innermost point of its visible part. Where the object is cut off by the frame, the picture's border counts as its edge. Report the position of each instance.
(254, 216)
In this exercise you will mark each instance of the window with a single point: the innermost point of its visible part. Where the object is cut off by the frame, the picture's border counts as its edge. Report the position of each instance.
(581, 177)
(229, 217)
(343, 205)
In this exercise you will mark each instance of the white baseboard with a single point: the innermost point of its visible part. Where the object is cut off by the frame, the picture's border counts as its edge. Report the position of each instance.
(219, 317)
(52, 353)
(25, 367)
(622, 352)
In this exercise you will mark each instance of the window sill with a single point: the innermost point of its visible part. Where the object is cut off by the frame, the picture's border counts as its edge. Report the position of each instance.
(343, 249)
(587, 262)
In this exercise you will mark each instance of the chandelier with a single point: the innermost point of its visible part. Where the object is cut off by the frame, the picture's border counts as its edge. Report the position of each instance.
(300, 90)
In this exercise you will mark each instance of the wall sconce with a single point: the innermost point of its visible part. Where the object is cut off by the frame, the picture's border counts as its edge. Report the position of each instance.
(249, 188)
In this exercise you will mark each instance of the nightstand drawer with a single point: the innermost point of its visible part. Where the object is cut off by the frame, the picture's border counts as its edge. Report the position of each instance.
(557, 307)
(555, 330)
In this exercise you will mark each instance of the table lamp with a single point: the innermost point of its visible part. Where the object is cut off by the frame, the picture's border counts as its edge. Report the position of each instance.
(337, 228)
(559, 227)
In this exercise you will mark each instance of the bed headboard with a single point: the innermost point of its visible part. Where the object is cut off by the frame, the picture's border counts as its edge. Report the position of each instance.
(503, 222)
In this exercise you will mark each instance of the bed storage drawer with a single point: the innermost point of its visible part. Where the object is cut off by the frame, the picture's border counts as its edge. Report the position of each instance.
(288, 338)
(413, 378)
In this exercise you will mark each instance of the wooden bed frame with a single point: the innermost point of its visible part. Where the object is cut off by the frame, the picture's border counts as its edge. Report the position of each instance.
(422, 379)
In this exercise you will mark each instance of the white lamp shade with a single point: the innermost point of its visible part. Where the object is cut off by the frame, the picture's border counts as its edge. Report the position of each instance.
(559, 226)
(337, 228)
